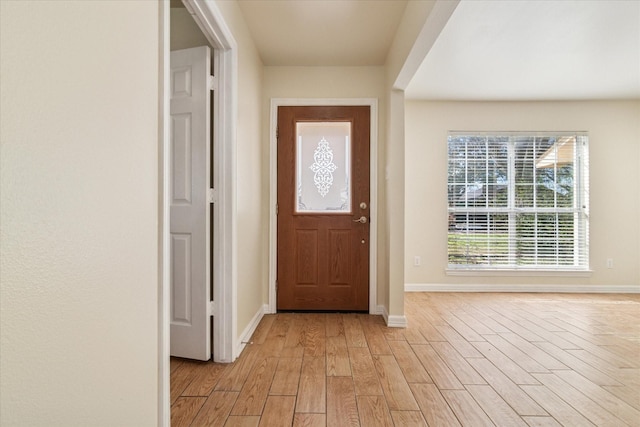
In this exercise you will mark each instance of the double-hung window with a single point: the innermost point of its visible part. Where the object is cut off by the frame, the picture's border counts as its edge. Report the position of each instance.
(518, 201)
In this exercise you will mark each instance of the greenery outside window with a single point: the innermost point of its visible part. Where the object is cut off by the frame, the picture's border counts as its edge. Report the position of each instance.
(518, 201)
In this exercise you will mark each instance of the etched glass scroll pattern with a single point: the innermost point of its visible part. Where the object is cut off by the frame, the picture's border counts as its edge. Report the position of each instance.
(323, 167)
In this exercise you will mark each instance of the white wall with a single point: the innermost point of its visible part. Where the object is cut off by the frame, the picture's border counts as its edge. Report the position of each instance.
(79, 213)
(614, 136)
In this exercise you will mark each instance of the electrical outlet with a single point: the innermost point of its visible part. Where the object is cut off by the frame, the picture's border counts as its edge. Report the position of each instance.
(416, 261)
(609, 262)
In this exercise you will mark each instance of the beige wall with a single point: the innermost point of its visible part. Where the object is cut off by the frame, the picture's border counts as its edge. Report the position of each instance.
(79, 213)
(363, 82)
(324, 82)
(413, 20)
(185, 33)
(614, 136)
(366, 82)
(250, 252)
(395, 204)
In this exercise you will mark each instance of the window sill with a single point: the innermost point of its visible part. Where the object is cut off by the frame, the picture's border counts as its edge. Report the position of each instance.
(517, 273)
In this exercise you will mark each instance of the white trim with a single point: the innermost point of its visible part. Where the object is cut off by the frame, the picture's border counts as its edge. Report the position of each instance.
(373, 202)
(380, 310)
(517, 273)
(245, 336)
(225, 259)
(582, 288)
(393, 321)
(164, 294)
(397, 321)
(211, 21)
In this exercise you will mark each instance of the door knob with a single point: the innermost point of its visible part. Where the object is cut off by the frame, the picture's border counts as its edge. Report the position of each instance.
(361, 220)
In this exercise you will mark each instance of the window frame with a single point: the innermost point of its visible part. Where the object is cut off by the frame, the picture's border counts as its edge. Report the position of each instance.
(580, 208)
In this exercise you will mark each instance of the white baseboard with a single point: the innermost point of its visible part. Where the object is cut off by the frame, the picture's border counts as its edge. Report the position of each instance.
(395, 321)
(595, 289)
(250, 329)
(392, 321)
(379, 310)
(382, 310)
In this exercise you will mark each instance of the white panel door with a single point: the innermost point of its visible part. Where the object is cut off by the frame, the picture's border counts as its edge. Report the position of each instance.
(190, 220)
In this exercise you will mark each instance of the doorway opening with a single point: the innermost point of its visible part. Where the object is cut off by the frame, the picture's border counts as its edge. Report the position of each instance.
(209, 20)
(372, 207)
(323, 184)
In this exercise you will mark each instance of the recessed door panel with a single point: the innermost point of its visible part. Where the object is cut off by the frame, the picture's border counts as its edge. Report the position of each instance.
(181, 279)
(339, 257)
(181, 165)
(307, 257)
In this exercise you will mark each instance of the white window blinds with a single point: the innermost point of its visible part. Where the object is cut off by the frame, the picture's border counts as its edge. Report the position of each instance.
(518, 201)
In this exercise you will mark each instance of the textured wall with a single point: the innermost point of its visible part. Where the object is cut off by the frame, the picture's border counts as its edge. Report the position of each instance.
(79, 213)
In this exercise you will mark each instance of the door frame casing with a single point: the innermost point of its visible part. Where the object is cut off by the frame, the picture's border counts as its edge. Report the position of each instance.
(212, 24)
(372, 103)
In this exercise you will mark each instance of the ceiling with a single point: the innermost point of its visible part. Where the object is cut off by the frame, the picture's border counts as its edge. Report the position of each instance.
(323, 32)
(534, 50)
(488, 50)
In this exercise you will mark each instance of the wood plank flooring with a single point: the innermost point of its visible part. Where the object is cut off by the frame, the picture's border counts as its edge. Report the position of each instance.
(466, 359)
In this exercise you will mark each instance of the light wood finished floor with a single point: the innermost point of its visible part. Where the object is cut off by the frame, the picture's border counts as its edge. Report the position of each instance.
(465, 359)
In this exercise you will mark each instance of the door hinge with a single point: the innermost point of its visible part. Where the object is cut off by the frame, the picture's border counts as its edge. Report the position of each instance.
(212, 195)
(277, 134)
(212, 83)
(211, 309)
(276, 209)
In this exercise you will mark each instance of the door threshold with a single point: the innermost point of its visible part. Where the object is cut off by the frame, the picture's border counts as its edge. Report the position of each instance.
(324, 311)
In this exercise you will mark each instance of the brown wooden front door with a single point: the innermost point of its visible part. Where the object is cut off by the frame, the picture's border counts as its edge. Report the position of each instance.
(323, 208)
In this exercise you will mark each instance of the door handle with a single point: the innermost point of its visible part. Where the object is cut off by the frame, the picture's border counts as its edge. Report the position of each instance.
(361, 220)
